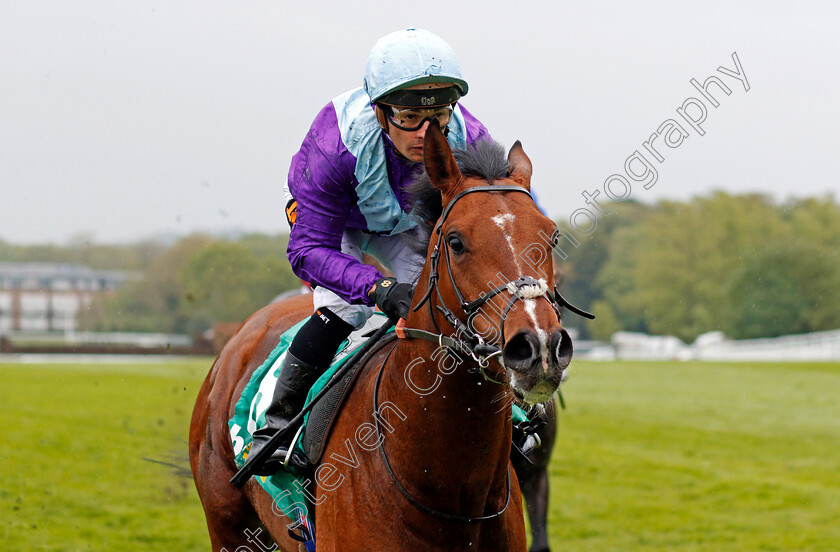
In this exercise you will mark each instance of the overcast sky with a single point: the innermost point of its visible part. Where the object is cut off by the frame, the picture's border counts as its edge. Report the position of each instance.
(126, 119)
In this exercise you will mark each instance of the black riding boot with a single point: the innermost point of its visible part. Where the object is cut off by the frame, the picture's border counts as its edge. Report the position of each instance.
(525, 435)
(296, 377)
(308, 356)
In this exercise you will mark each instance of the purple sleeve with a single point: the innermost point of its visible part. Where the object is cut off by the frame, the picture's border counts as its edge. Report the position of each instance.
(321, 180)
(475, 130)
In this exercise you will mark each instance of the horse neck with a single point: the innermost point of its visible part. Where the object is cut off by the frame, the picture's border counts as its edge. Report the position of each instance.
(457, 423)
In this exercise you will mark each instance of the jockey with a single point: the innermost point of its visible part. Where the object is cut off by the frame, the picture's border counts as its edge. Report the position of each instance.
(346, 196)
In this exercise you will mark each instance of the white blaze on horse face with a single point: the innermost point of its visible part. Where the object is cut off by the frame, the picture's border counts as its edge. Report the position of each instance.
(530, 308)
(502, 220)
(505, 224)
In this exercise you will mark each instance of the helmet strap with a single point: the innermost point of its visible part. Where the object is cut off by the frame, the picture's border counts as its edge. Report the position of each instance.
(382, 118)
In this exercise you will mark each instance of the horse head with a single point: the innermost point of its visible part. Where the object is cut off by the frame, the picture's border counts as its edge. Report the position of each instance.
(490, 272)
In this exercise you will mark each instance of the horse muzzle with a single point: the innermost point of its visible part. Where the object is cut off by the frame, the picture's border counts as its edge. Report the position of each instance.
(537, 362)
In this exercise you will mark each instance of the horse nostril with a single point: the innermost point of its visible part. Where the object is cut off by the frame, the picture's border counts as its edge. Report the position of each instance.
(520, 351)
(561, 348)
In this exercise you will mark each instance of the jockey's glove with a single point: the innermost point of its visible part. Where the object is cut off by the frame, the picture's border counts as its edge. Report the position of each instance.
(392, 297)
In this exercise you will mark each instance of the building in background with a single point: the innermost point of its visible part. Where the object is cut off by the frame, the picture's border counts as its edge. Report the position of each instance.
(47, 297)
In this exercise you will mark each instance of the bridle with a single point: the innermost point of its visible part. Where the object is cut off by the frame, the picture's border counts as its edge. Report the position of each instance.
(466, 338)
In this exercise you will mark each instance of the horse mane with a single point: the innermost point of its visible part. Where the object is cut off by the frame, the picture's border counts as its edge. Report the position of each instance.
(484, 159)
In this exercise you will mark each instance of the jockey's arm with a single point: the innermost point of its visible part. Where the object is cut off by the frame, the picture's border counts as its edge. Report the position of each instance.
(321, 180)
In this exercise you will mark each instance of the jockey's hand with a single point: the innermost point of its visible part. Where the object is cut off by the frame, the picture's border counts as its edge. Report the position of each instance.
(392, 297)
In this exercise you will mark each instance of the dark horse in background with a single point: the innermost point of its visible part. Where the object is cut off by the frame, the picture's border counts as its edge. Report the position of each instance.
(434, 473)
(533, 480)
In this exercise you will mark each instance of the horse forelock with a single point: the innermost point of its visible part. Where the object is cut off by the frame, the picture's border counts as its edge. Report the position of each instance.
(485, 159)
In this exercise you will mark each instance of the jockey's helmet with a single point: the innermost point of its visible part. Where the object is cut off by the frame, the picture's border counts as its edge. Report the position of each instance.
(411, 57)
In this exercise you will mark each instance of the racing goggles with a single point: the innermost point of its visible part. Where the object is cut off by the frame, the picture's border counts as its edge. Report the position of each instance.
(411, 119)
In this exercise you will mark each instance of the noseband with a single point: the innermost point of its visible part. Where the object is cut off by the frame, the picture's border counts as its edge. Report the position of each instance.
(467, 339)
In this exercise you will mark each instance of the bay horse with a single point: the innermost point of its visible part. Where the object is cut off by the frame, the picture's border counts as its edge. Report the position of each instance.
(418, 457)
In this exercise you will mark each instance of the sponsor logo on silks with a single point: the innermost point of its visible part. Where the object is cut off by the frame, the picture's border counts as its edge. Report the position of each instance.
(291, 212)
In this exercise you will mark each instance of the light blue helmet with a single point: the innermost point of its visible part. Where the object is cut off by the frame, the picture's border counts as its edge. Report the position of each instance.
(412, 56)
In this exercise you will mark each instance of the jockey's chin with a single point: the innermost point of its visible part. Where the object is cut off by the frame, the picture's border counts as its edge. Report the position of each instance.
(409, 143)
(415, 154)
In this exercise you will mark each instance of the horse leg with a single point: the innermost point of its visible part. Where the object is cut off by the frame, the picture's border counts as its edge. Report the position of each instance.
(231, 520)
(535, 491)
(239, 520)
(533, 479)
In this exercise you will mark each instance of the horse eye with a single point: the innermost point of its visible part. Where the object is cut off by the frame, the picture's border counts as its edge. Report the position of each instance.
(455, 244)
(555, 239)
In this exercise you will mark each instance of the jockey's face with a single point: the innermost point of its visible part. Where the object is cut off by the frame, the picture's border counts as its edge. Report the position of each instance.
(409, 143)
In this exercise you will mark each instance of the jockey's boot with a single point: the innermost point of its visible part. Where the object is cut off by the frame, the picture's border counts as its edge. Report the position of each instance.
(308, 356)
(296, 377)
(525, 436)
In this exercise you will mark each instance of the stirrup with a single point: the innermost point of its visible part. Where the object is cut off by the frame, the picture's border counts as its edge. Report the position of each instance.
(273, 465)
(291, 456)
(525, 438)
(519, 451)
(282, 457)
(532, 442)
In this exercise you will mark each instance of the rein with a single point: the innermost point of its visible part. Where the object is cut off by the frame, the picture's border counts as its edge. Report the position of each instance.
(414, 502)
(481, 352)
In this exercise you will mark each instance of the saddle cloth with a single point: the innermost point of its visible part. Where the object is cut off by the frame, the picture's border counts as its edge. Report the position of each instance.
(249, 414)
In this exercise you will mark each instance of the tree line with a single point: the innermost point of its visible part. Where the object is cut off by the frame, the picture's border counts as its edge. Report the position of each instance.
(741, 264)
(186, 287)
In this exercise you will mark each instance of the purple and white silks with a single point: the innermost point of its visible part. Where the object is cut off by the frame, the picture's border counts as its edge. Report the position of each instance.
(345, 156)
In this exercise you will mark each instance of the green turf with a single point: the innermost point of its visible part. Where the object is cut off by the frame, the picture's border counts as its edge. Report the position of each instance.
(698, 456)
(650, 456)
(72, 457)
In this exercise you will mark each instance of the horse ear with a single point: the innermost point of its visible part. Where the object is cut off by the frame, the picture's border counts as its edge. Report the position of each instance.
(440, 164)
(520, 165)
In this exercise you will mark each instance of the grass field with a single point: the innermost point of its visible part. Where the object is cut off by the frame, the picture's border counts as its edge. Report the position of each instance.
(72, 461)
(650, 456)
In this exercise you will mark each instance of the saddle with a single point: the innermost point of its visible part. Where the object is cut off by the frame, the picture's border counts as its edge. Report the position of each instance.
(256, 396)
(287, 487)
(319, 422)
